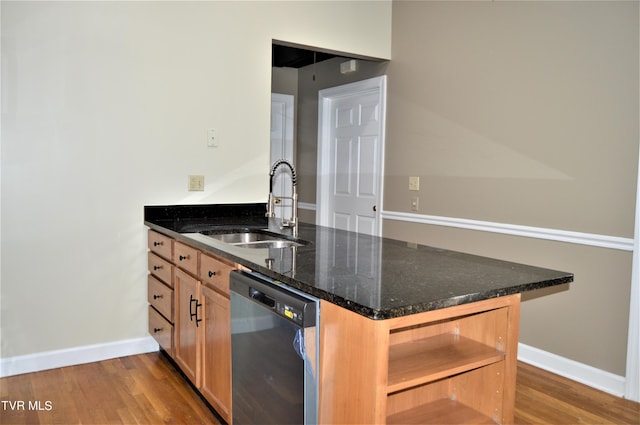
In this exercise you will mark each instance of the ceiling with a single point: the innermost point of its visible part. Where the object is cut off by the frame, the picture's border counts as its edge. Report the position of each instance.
(293, 57)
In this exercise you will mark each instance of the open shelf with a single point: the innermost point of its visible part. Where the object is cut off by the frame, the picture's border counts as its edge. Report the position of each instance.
(454, 365)
(429, 359)
(442, 411)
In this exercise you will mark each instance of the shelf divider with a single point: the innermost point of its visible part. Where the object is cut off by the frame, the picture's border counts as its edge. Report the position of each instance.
(429, 359)
(442, 411)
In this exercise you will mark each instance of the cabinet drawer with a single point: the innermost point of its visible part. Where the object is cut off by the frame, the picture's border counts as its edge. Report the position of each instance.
(186, 257)
(160, 296)
(160, 244)
(161, 268)
(215, 273)
(161, 330)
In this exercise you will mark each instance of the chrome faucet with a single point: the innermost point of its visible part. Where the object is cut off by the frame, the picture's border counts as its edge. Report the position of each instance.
(293, 222)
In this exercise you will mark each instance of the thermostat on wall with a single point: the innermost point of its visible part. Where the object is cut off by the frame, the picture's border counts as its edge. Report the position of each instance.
(348, 66)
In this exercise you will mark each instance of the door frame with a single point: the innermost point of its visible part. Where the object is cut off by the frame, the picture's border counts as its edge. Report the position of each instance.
(288, 146)
(325, 99)
(289, 101)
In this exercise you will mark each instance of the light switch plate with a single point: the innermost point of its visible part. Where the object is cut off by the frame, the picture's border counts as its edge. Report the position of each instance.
(414, 183)
(212, 138)
(196, 183)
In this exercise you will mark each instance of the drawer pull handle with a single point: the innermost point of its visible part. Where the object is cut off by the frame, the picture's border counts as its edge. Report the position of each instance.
(155, 297)
(157, 244)
(156, 330)
(198, 320)
(191, 313)
(211, 274)
(157, 267)
(183, 257)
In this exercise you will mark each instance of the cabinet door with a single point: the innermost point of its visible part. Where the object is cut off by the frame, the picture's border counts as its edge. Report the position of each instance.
(188, 313)
(216, 364)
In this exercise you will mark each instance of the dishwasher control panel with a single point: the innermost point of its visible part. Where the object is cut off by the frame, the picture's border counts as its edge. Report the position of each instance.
(284, 309)
(275, 296)
(290, 312)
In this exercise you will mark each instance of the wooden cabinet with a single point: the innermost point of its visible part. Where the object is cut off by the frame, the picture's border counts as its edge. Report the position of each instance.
(160, 297)
(454, 365)
(216, 366)
(188, 318)
(160, 290)
(215, 382)
(215, 273)
(161, 329)
(160, 268)
(203, 324)
(186, 258)
(161, 244)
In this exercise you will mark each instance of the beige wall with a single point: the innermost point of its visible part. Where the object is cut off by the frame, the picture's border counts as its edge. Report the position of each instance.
(516, 112)
(105, 109)
(523, 113)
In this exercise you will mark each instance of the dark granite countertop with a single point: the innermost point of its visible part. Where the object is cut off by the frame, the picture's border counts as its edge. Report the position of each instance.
(376, 277)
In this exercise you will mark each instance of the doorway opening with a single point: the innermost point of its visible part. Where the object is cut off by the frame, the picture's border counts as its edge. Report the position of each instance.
(304, 80)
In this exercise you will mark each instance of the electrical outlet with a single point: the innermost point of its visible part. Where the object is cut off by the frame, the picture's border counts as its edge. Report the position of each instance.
(415, 203)
(196, 183)
(414, 183)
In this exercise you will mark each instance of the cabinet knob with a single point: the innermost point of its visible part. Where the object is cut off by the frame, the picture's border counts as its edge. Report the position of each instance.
(157, 244)
(156, 330)
(183, 257)
(155, 297)
(157, 267)
(211, 274)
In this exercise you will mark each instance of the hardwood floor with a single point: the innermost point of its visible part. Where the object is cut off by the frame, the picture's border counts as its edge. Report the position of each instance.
(545, 398)
(146, 389)
(142, 389)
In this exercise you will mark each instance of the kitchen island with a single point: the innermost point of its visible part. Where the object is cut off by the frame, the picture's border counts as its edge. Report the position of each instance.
(408, 333)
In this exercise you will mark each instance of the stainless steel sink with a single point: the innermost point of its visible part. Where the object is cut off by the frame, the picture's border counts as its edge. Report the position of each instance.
(268, 244)
(254, 240)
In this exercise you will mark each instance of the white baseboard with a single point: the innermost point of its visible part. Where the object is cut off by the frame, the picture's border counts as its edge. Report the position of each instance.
(306, 206)
(576, 371)
(77, 355)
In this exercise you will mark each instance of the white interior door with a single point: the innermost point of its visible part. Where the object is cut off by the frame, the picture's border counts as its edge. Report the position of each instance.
(350, 156)
(282, 119)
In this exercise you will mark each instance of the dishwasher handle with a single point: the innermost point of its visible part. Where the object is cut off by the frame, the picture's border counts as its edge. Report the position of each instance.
(262, 298)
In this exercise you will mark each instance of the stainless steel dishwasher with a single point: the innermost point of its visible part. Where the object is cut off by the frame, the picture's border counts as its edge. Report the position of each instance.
(274, 352)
